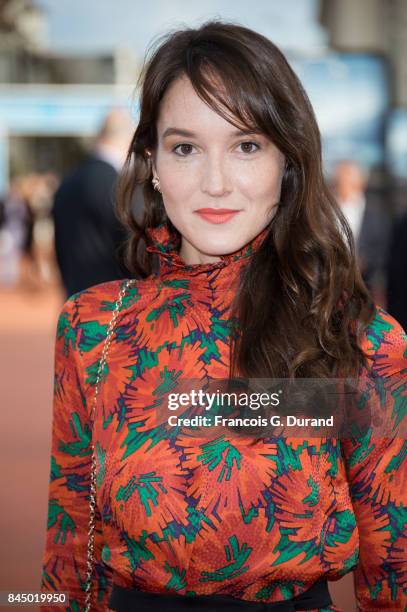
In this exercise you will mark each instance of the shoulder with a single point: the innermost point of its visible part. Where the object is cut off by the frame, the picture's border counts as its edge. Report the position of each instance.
(93, 301)
(84, 320)
(96, 168)
(386, 341)
(84, 317)
(97, 303)
(89, 169)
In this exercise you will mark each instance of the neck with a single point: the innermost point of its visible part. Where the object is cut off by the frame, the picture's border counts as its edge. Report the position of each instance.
(192, 256)
(167, 244)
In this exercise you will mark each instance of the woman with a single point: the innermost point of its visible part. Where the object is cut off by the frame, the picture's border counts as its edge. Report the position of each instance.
(256, 279)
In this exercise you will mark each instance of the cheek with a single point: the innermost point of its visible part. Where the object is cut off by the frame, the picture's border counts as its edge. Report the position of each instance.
(178, 179)
(261, 181)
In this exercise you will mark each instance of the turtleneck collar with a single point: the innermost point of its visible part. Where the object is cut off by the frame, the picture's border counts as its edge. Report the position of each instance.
(166, 243)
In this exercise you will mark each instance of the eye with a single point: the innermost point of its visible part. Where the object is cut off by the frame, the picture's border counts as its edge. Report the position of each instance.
(249, 147)
(183, 149)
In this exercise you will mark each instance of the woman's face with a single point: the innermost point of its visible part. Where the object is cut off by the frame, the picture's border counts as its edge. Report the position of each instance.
(204, 162)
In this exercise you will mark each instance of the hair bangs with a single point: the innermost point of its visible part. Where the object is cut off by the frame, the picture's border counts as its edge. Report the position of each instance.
(229, 91)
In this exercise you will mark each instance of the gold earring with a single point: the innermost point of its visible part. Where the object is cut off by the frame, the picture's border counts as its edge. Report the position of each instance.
(156, 183)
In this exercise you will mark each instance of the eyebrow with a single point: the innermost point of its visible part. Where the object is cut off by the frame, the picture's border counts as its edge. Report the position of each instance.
(174, 131)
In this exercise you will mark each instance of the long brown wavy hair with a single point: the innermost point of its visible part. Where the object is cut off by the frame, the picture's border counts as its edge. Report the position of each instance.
(301, 304)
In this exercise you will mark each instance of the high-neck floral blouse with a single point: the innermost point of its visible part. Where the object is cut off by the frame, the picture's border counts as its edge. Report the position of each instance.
(180, 515)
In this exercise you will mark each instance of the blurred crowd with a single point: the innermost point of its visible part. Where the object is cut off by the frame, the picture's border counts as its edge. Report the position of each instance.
(62, 230)
(26, 232)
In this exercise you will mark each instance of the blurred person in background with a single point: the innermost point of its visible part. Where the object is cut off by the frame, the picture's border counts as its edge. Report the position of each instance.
(368, 221)
(42, 201)
(88, 235)
(396, 272)
(37, 270)
(17, 257)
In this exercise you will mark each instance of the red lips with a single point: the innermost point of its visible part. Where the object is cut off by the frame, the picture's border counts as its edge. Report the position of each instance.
(217, 215)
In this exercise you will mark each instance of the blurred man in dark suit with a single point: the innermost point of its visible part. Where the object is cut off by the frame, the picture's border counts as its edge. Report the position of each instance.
(88, 236)
(397, 275)
(369, 222)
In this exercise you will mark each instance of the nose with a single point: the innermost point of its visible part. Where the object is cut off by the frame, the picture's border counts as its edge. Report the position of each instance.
(215, 180)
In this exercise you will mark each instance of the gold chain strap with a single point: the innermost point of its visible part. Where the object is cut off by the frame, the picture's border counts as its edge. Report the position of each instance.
(90, 562)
